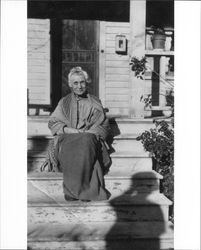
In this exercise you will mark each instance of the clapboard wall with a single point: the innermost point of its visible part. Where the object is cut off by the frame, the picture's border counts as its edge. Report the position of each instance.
(38, 61)
(114, 69)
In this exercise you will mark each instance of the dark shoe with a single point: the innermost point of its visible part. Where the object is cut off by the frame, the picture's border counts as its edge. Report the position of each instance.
(68, 198)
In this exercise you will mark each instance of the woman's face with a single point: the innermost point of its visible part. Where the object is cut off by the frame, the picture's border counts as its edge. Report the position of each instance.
(78, 84)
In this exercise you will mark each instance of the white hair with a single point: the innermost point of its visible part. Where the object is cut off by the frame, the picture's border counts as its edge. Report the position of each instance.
(78, 71)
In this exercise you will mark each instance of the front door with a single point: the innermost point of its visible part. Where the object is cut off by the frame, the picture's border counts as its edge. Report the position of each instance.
(80, 48)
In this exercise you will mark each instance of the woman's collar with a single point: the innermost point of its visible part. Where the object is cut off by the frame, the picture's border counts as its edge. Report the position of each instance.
(79, 97)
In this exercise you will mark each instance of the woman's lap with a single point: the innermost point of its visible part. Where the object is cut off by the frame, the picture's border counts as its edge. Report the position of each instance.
(82, 173)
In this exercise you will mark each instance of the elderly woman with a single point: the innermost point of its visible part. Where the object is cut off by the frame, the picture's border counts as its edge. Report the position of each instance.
(79, 127)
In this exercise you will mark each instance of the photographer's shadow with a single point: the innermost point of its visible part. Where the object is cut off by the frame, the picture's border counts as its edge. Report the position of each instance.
(139, 220)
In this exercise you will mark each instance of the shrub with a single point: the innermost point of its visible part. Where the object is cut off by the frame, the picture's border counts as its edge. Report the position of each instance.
(159, 141)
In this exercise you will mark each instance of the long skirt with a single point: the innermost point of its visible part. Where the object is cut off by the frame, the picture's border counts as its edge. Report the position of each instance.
(81, 161)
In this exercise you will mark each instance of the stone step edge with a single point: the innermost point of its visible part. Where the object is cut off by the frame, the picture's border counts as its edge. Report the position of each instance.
(155, 199)
(59, 175)
(49, 137)
(56, 244)
(127, 120)
(129, 230)
(165, 237)
(122, 154)
(135, 120)
(34, 118)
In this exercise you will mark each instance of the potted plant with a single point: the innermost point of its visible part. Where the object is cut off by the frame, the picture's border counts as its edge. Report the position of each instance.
(158, 38)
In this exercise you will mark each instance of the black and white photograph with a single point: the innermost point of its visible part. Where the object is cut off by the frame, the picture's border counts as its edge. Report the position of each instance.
(101, 121)
(100, 125)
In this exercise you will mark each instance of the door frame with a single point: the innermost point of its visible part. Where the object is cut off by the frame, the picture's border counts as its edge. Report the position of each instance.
(97, 76)
(102, 62)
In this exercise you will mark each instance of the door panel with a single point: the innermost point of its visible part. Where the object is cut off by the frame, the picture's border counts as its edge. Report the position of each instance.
(68, 34)
(86, 38)
(79, 48)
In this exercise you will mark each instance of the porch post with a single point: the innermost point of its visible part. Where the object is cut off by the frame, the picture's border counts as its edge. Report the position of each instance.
(162, 72)
(138, 28)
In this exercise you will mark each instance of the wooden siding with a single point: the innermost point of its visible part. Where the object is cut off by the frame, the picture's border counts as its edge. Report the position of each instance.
(39, 61)
(115, 91)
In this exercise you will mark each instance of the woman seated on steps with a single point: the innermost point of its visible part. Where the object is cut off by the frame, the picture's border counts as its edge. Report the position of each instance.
(79, 127)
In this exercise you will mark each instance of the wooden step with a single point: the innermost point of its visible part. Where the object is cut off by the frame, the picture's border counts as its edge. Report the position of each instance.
(101, 235)
(48, 186)
(120, 143)
(128, 143)
(124, 162)
(129, 163)
(130, 125)
(152, 207)
(37, 125)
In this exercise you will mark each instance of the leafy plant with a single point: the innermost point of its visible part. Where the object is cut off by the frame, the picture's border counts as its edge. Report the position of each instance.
(147, 100)
(158, 31)
(138, 66)
(155, 30)
(159, 141)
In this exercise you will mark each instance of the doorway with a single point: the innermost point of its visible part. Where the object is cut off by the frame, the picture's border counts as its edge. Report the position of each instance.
(80, 48)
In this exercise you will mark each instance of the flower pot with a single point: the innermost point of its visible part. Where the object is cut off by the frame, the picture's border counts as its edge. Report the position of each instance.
(158, 41)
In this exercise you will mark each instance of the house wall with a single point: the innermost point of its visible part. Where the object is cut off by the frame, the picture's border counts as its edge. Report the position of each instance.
(38, 61)
(114, 69)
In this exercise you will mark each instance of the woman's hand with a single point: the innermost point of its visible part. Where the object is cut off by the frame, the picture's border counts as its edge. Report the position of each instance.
(70, 130)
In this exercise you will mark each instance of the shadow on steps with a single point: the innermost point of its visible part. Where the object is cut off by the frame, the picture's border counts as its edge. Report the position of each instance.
(142, 227)
(147, 238)
(38, 144)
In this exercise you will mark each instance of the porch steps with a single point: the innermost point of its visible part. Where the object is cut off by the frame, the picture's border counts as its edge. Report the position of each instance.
(128, 207)
(101, 235)
(49, 185)
(130, 162)
(135, 217)
(125, 143)
(37, 125)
